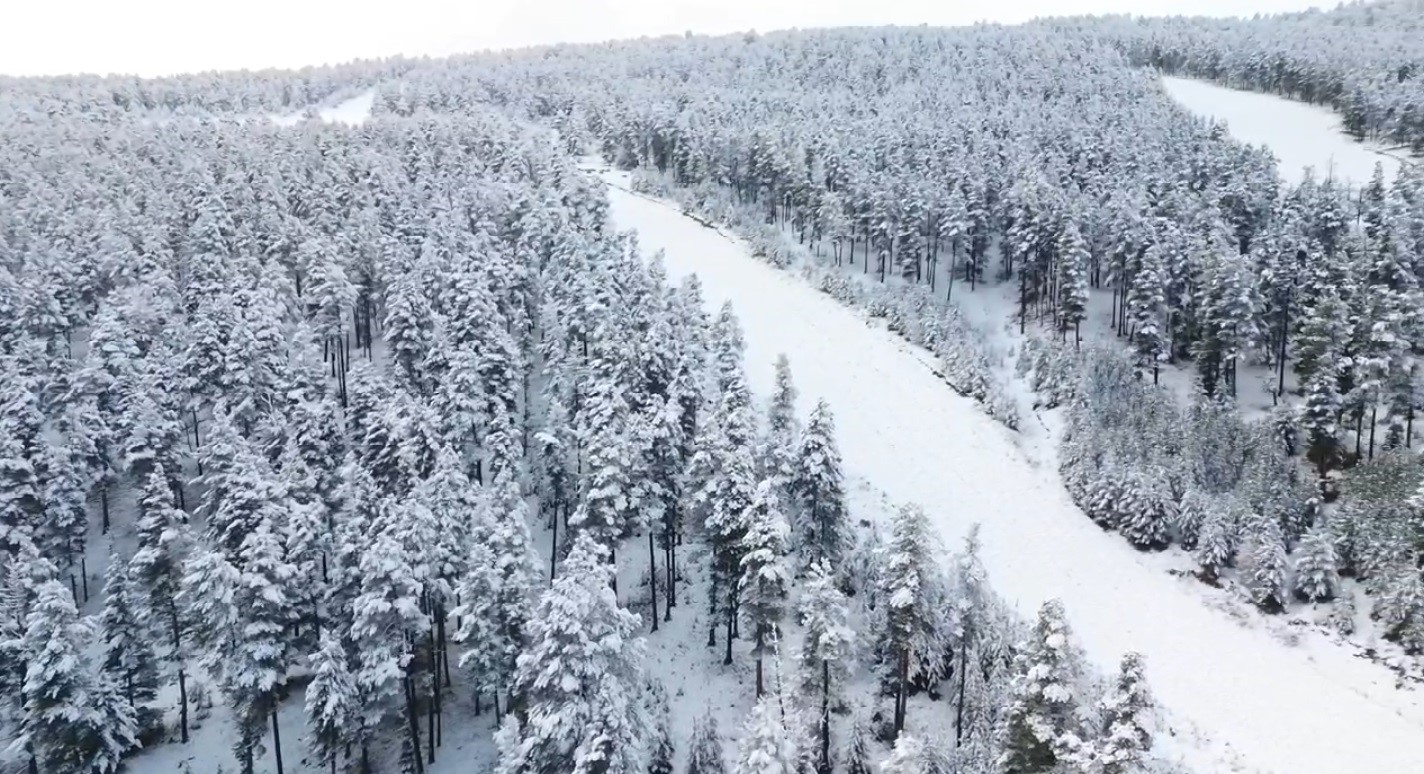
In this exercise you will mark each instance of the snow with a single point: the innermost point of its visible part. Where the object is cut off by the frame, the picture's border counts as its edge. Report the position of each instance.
(352, 111)
(1299, 134)
(1235, 697)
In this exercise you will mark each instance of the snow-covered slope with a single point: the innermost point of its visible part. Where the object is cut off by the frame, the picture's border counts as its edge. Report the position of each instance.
(1300, 135)
(1238, 699)
(352, 111)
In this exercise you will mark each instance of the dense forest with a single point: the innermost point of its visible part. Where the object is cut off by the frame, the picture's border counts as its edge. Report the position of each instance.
(388, 423)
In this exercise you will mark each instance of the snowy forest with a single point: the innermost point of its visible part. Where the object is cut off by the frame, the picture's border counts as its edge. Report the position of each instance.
(375, 439)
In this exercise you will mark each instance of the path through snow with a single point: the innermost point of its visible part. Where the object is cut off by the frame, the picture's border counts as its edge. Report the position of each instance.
(1237, 698)
(1301, 135)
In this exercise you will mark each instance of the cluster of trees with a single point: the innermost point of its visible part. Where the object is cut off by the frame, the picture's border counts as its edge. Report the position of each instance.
(1363, 59)
(932, 156)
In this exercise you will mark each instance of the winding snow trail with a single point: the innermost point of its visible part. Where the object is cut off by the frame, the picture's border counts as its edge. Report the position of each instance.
(1236, 698)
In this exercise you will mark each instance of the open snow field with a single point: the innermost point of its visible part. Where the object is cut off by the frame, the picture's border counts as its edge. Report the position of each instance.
(1300, 135)
(1237, 698)
(352, 111)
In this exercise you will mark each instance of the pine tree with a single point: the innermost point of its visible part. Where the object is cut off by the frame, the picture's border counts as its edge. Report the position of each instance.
(662, 748)
(579, 677)
(1041, 723)
(726, 495)
(823, 529)
(330, 701)
(156, 572)
(907, 757)
(1316, 579)
(782, 428)
(856, 757)
(767, 747)
(910, 643)
(1073, 260)
(128, 651)
(1147, 310)
(71, 721)
(706, 755)
(497, 594)
(1264, 565)
(1125, 711)
(765, 579)
(1216, 542)
(826, 650)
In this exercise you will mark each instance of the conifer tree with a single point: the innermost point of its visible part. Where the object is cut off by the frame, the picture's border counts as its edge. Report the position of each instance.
(907, 757)
(1041, 725)
(782, 429)
(1316, 579)
(826, 650)
(823, 529)
(706, 755)
(1147, 310)
(72, 721)
(1073, 260)
(856, 757)
(1125, 711)
(580, 676)
(128, 651)
(662, 747)
(1264, 565)
(765, 579)
(766, 748)
(330, 701)
(909, 643)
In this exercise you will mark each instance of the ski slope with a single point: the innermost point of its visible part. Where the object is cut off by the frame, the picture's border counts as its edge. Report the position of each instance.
(1236, 698)
(1300, 135)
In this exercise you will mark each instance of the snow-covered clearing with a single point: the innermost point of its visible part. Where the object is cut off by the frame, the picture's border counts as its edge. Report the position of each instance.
(1238, 699)
(352, 111)
(1300, 135)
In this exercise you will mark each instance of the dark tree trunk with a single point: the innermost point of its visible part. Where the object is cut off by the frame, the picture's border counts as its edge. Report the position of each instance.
(276, 740)
(653, 578)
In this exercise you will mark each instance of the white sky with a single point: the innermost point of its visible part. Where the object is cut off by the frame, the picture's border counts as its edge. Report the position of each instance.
(157, 37)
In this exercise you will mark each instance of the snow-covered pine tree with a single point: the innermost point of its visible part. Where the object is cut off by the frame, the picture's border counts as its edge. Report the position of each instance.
(330, 701)
(910, 645)
(826, 651)
(1147, 311)
(128, 649)
(727, 345)
(782, 429)
(856, 755)
(705, 753)
(1316, 578)
(767, 747)
(765, 578)
(1264, 565)
(822, 528)
(1126, 713)
(70, 720)
(1041, 726)
(580, 676)
(497, 594)
(1073, 262)
(1217, 540)
(907, 757)
(662, 746)
(728, 491)
(156, 573)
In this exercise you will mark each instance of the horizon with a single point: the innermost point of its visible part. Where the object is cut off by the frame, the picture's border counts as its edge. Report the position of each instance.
(156, 38)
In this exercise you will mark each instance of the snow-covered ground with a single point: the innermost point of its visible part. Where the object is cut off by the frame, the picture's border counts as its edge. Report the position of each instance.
(1237, 697)
(1300, 135)
(353, 111)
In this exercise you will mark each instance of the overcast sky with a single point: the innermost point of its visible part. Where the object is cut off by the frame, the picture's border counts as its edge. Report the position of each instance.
(157, 37)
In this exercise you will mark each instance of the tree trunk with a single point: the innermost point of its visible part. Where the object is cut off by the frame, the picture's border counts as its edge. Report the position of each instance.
(825, 716)
(183, 705)
(760, 680)
(276, 739)
(731, 622)
(653, 578)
